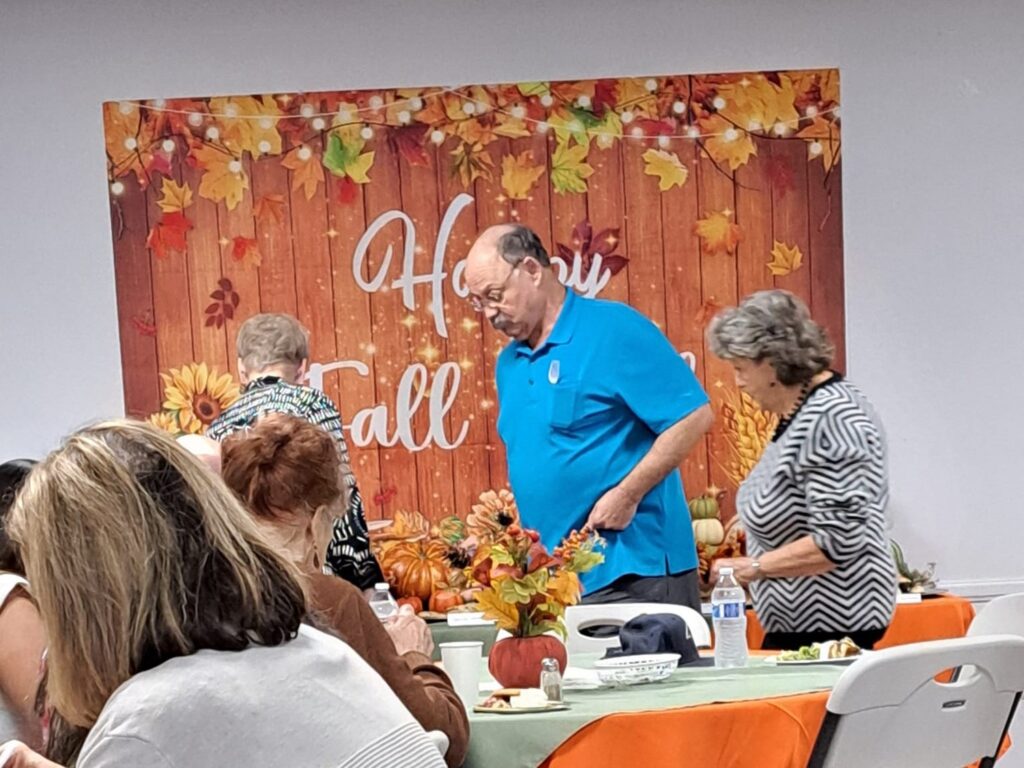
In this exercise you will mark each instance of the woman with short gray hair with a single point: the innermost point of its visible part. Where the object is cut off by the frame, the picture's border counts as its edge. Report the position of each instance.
(273, 358)
(814, 505)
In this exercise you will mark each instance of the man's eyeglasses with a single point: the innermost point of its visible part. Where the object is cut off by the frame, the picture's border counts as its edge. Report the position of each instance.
(494, 296)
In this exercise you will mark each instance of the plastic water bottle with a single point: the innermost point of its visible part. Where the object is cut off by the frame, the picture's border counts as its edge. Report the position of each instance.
(382, 603)
(729, 613)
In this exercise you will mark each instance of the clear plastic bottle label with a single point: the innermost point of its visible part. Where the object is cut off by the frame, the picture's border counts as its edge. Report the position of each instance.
(727, 611)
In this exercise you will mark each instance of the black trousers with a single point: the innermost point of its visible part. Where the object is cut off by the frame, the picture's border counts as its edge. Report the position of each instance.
(792, 641)
(678, 588)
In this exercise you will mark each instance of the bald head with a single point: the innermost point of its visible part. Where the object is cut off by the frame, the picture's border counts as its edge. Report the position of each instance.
(204, 449)
(509, 277)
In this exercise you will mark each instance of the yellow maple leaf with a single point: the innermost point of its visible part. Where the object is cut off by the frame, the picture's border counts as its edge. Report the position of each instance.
(756, 103)
(632, 94)
(564, 588)
(128, 137)
(510, 127)
(667, 167)
(569, 169)
(785, 259)
(358, 168)
(718, 233)
(725, 143)
(608, 130)
(822, 138)
(224, 177)
(506, 615)
(519, 174)
(248, 124)
(567, 127)
(306, 169)
(173, 197)
(473, 132)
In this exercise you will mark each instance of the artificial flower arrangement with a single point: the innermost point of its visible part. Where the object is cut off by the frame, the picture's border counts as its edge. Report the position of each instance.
(526, 590)
(491, 563)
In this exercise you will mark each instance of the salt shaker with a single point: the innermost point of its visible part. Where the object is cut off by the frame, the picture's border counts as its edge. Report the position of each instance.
(551, 680)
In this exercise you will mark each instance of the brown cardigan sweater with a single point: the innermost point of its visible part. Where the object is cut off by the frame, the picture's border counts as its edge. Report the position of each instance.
(421, 686)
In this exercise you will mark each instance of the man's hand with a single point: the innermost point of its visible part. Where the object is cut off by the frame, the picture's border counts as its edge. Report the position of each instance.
(613, 511)
(409, 632)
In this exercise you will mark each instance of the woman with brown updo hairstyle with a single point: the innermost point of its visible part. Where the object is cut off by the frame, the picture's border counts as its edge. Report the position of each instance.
(285, 470)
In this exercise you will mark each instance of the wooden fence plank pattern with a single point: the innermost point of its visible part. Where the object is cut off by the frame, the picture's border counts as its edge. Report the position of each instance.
(306, 245)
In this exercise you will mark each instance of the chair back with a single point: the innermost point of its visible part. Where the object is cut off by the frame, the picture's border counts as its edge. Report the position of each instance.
(901, 708)
(1002, 616)
(580, 617)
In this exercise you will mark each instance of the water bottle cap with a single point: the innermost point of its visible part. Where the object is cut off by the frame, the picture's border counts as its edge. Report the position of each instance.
(725, 570)
(383, 585)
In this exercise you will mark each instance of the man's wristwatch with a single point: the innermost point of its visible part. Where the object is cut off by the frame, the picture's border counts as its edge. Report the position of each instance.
(756, 565)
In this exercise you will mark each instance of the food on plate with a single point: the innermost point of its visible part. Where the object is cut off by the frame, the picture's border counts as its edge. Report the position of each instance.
(830, 649)
(516, 698)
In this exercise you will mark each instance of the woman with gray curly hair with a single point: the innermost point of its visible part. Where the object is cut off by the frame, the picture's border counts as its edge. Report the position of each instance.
(814, 505)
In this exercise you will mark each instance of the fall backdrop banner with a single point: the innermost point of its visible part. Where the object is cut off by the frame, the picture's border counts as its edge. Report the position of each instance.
(354, 210)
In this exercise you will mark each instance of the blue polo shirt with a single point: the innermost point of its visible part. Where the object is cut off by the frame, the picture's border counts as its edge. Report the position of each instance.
(578, 413)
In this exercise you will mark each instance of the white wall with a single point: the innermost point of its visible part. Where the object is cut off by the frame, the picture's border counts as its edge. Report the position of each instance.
(933, 197)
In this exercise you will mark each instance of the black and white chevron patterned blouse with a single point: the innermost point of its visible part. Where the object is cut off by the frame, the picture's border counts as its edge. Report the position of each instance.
(824, 475)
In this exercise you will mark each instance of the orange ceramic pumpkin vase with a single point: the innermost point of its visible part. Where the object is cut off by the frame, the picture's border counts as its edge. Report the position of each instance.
(515, 661)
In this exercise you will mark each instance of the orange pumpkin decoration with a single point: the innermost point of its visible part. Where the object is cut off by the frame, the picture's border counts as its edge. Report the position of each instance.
(444, 600)
(413, 602)
(416, 567)
(515, 661)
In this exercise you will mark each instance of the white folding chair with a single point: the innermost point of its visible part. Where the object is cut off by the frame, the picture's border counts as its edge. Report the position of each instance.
(889, 711)
(1002, 616)
(578, 617)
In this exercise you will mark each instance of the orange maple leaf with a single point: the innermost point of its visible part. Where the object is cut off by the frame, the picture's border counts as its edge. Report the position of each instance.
(169, 234)
(306, 169)
(823, 141)
(725, 143)
(718, 234)
(519, 173)
(785, 259)
(245, 251)
(269, 209)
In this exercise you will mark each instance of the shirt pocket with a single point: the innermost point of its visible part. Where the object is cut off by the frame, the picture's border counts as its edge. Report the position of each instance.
(563, 406)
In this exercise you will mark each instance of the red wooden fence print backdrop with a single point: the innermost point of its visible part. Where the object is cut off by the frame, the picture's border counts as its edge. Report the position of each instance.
(352, 210)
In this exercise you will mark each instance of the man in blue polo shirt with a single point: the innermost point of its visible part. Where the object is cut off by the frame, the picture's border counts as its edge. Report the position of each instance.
(597, 410)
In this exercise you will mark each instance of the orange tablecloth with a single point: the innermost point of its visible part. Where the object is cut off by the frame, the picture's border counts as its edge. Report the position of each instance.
(935, 618)
(765, 733)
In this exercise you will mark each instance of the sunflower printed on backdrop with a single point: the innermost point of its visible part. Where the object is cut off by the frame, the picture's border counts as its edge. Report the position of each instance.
(194, 396)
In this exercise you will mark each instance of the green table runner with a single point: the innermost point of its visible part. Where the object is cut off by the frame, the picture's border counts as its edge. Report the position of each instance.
(524, 741)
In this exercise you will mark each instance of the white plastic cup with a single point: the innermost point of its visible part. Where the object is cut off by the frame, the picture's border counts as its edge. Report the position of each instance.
(462, 662)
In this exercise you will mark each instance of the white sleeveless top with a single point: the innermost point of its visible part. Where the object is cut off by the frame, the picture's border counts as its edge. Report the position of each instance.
(8, 722)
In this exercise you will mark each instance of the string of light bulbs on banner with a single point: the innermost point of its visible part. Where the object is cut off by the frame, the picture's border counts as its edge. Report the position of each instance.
(343, 117)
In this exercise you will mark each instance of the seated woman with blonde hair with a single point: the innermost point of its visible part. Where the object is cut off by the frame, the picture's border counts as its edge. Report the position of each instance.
(175, 632)
(286, 471)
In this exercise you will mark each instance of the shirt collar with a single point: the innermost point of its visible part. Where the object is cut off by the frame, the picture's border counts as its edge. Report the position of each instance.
(565, 326)
(262, 381)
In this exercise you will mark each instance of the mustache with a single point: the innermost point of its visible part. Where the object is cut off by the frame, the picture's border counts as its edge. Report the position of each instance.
(500, 323)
